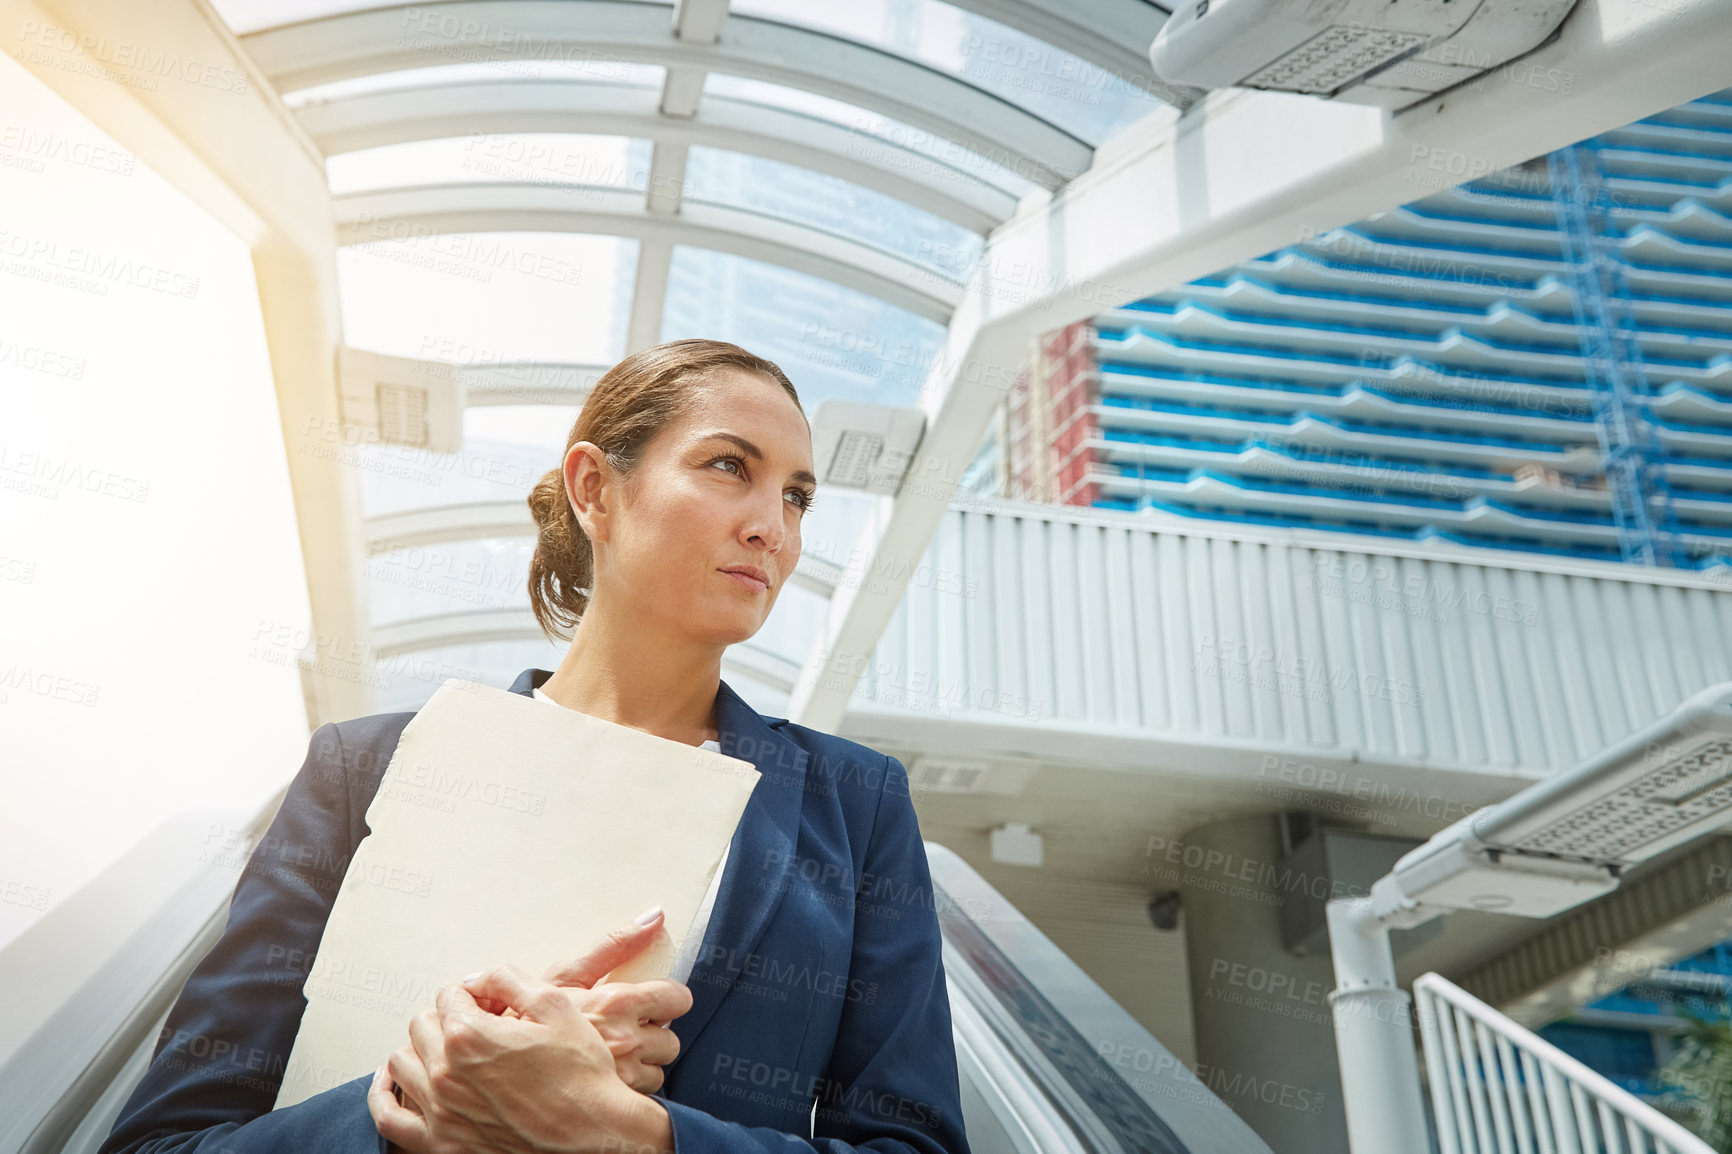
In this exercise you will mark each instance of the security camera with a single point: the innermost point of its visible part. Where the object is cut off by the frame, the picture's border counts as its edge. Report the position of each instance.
(1164, 910)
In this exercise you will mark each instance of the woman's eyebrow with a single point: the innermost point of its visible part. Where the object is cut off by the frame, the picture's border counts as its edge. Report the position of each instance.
(757, 454)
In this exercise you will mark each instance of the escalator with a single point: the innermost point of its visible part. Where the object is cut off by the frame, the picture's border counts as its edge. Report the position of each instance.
(1049, 1064)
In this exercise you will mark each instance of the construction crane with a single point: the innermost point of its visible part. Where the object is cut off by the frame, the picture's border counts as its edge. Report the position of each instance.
(1612, 359)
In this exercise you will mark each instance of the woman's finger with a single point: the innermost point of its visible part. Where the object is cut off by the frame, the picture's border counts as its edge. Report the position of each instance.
(669, 1000)
(657, 1046)
(607, 955)
(425, 1036)
(656, 1001)
(532, 998)
(410, 1064)
(642, 1077)
(397, 1125)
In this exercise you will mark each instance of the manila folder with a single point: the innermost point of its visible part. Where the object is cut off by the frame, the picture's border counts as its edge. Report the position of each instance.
(506, 829)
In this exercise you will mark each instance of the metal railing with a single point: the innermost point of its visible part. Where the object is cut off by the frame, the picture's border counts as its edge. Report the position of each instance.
(1499, 1088)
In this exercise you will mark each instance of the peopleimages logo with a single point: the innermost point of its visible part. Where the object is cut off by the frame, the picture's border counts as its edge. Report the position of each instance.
(1272, 667)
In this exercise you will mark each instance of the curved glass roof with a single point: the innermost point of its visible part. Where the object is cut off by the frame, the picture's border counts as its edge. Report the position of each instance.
(1087, 100)
(530, 199)
(831, 342)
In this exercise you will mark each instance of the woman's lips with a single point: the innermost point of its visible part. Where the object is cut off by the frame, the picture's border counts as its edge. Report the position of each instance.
(747, 580)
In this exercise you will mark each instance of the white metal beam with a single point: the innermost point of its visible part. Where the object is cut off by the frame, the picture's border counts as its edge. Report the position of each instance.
(695, 22)
(427, 211)
(395, 39)
(682, 92)
(423, 633)
(1112, 35)
(444, 629)
(1241, 174)
(667, 178)
(529, 383)
(700, 21)
(371, 120)
(649, 295)
(447, 523)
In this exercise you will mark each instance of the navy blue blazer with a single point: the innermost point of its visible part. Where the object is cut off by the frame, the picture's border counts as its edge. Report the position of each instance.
(820, 978)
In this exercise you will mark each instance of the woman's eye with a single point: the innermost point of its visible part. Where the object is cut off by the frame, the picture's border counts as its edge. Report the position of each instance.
(730, 460)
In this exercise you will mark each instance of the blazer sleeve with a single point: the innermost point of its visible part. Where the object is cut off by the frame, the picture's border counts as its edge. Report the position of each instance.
(891, 1086)
(222, 1052)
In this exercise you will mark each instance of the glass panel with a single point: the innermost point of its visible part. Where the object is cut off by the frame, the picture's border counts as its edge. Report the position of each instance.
(797, 618)
(1081, 98)
(834, 525)
(252, 15)
(490, 158)
(450, 577)
(591, 70)
(834, 205)
(505, 451)
(405, 681)
(488, 298)
(831, 341)
(869, 124)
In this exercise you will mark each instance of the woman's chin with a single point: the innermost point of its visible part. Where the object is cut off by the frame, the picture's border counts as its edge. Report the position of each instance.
(729, 625)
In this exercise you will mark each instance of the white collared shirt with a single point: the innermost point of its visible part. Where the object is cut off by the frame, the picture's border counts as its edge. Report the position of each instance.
(687, 956)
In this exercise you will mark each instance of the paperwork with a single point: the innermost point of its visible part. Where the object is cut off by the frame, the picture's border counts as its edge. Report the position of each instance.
(505, 831)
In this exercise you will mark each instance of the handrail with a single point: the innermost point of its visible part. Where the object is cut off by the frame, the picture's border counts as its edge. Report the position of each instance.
(107, 964)
(1088, 1065)
(1550, 1103)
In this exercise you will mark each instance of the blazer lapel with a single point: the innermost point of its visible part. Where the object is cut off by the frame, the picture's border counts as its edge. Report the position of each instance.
(756, 878)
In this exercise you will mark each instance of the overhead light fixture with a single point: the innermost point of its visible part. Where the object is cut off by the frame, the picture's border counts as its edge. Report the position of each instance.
(400, 401)
(1549, 848)
(860, 446)
(1363, 51)
(1564, 841)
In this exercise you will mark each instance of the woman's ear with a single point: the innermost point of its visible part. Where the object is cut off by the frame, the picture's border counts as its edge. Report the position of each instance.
(586, 477)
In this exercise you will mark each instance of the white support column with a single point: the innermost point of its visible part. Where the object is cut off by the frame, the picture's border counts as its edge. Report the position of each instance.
(1241, 174)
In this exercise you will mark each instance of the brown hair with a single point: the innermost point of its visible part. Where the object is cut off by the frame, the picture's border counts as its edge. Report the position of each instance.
(631, 403)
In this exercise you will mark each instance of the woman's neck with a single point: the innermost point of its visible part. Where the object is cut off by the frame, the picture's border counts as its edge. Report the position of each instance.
(630, 679)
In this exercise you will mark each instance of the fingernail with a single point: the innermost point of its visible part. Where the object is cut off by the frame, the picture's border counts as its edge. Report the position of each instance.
(649, 916)
(475, 977)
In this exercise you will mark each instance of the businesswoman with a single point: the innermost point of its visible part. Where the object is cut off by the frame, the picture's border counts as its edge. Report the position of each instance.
(814, 1015)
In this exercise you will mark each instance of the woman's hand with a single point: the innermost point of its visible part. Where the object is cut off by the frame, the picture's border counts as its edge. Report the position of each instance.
(630, 1016)
(542, 1081)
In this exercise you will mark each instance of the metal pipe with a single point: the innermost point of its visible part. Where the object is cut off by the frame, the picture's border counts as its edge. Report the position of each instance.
(1373, 1035)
